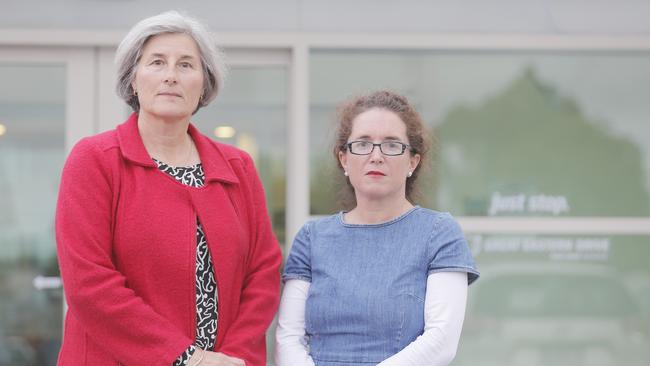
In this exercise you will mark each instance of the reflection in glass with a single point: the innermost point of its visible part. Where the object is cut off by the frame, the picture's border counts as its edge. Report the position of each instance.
(251, 113)
(560, 300)
(32, 152)
(519, 133)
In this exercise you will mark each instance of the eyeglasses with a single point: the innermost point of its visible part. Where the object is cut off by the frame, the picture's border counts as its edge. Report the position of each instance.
(390, 148)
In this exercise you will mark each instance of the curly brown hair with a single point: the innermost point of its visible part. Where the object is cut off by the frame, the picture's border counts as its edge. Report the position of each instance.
(417, 135)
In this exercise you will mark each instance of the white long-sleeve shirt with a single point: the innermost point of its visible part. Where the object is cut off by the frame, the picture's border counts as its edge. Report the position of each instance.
(444, 312)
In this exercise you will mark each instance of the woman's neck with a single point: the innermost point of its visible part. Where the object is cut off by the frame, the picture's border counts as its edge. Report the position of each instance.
(167, 141)
(377, 211)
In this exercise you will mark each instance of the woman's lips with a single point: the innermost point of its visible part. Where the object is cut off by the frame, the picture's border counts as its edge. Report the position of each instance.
(374, 172)
(170, 94)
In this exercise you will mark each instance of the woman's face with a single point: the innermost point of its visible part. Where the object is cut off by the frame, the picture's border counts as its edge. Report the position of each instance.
(377, 176)
(169, 77)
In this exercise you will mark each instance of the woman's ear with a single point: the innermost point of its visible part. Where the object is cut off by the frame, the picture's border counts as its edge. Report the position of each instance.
(343, 159)
(414, 161)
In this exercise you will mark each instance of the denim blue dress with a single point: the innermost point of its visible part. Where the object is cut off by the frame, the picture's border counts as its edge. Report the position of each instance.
(368, 282)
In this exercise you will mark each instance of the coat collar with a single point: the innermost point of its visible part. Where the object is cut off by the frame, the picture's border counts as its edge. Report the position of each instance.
(215, 165)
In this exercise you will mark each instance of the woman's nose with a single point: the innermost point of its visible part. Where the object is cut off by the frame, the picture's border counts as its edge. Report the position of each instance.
(170, 75)
(376, 155)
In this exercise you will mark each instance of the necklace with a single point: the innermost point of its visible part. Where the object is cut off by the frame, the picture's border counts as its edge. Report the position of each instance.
(185, 161)
(190, 150)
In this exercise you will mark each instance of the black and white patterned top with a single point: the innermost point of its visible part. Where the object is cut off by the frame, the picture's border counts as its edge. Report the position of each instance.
(206, 284)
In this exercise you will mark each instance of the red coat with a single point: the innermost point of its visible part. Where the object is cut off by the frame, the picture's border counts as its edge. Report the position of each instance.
(126, 241)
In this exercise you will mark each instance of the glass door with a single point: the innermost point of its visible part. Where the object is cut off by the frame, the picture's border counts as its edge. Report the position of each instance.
(38, 124)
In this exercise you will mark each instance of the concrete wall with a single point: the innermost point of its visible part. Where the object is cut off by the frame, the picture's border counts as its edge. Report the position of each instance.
(554, 17)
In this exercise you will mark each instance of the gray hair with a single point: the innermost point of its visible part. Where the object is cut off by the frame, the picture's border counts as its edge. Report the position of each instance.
(130, 50)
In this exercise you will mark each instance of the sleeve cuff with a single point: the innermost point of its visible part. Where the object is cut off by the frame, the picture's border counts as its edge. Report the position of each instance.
(184, 358)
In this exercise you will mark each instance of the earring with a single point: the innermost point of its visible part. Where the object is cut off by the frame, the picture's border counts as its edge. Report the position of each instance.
(410, 174)
(135, 92)
(345, 173)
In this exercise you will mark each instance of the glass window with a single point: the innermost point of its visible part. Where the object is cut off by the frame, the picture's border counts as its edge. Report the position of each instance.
(561, 300)
(518, 133)
(251, 113)
(32, 152)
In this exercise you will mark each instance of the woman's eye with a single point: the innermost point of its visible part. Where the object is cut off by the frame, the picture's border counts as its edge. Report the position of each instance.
(186, 65)
(156, 62)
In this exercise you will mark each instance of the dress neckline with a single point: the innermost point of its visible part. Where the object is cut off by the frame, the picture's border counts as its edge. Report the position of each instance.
(379, 224)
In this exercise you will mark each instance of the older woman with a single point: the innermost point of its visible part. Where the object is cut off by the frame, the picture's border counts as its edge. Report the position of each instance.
(385, 282)
(164, 242)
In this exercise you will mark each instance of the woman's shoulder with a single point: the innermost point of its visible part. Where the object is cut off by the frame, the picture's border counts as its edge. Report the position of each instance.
(423, 213)
(94, 147)
(100, 141)
(324, 220)
(93, 158)
(320, 224)
(230, 153)
(435, 221)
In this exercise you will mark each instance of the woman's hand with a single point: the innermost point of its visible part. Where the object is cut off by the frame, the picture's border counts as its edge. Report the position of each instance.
(207, 358)
(219, 359)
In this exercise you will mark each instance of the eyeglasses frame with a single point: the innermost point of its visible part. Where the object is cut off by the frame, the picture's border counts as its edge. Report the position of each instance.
(348, 146)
